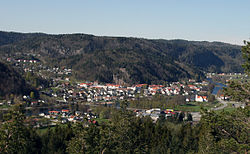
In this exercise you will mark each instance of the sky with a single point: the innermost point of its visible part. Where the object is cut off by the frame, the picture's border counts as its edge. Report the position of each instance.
(201, 20)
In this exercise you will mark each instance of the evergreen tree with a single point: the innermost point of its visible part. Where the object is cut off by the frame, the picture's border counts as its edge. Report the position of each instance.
(225, 132)
(15, 137)
(240, 90)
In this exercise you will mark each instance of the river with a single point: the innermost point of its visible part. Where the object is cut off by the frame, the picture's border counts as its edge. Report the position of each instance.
(218, 86)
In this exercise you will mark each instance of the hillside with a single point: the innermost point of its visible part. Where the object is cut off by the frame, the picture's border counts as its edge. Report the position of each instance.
(11, 82)
(125, 60)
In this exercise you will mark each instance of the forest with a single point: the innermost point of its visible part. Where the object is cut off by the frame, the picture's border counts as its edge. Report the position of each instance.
(11, 81)
(124, 60)
(223, 132)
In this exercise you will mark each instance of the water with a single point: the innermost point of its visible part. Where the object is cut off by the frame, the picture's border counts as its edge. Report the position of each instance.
(216, 89)
(218, 86)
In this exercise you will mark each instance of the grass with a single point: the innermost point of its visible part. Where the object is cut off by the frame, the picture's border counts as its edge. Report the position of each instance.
(101, 120)
(229, 108)
(188, 107)
(4, 106)
(41, 131)
(54, 89)
(195, 106)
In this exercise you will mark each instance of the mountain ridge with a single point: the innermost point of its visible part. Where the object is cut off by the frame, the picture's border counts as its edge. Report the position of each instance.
(129, 37)
(145, 60)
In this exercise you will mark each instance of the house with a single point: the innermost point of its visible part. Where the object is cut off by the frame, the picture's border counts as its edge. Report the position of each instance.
(223, 97)
(113, 86)
(8, 59)
(191, 80)
(9, 102)
(192, 86)
(54, 112)
(64, 121)
(34, 103)
(72, 118)
(140, 85)
(154, 110)
(201, 98)
(65, 111)
(85, 85)
(78, 113)
(42, 114)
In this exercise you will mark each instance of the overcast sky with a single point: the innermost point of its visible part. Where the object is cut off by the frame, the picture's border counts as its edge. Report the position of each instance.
(209, 20)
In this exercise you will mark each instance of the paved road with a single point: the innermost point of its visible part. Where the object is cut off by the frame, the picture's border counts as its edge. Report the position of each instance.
(196, 115)
(224, 104)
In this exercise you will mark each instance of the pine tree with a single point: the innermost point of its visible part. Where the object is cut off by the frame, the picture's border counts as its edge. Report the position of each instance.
(240, 90)
(15, 137)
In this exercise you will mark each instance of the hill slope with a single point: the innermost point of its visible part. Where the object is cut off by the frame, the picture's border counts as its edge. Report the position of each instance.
(11, 82)
(129, 60)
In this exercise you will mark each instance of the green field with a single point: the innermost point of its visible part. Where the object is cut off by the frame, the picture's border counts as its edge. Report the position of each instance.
(42, 131)
(101, 120)
(229, 108)
(4, 106)
(195, 106)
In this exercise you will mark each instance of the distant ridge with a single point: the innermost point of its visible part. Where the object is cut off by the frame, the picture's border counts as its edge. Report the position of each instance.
(125, 60)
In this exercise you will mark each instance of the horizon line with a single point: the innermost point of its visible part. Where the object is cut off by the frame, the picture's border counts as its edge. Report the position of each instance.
(121, 36)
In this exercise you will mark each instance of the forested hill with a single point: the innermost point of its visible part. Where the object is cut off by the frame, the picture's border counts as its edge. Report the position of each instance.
(129, 60)
(11, 82)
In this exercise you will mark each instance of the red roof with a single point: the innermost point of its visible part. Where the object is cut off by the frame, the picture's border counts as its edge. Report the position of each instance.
(204, 97)
(155, 88)
(112, 85)
(97, 87)
(54, 112)
(140, 85)
(65, 110)
(88, 84)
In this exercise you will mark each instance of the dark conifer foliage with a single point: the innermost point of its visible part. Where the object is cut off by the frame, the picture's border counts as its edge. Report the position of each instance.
(128, 60)
(11, 82)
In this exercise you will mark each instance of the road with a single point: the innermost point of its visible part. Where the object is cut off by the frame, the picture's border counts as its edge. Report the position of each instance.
(224, 104)
(196, 115)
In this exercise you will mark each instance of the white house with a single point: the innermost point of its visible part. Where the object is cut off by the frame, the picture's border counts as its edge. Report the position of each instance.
(201, 98)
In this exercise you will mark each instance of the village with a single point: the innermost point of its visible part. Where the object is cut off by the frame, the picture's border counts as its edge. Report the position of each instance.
(64, 91)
